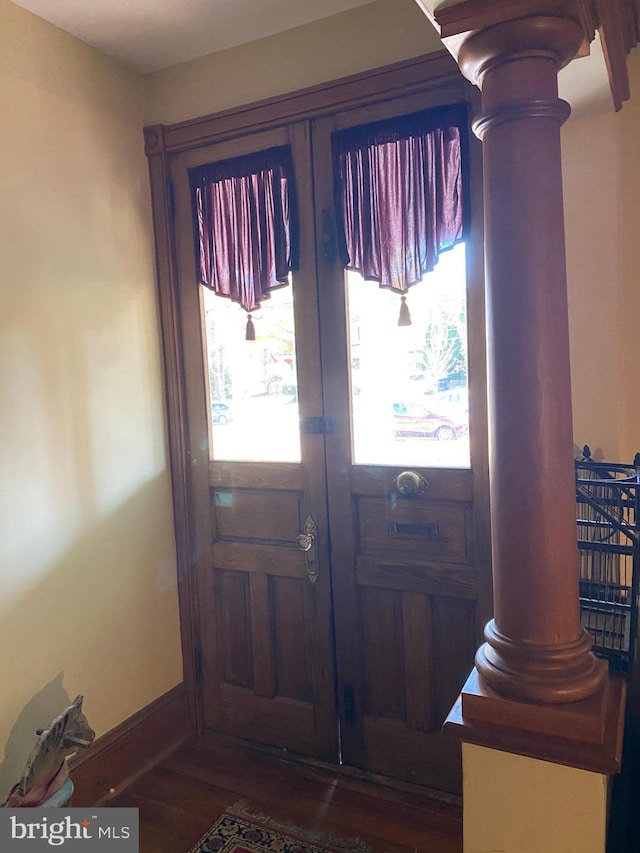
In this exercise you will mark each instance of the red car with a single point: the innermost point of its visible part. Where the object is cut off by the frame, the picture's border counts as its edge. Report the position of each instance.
(411, 420)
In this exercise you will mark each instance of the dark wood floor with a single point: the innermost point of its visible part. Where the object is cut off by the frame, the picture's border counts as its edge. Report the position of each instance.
(181, 797)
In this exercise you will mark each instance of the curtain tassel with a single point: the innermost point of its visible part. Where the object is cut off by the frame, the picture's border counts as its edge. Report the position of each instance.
(251, 329)
(404, 318)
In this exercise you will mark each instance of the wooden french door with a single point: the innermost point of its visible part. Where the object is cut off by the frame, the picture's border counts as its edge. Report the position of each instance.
(355, 649)
(404, 568)
(264, 604)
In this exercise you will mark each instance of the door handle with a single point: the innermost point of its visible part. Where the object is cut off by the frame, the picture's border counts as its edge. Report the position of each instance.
(306, 542)
(410, 484)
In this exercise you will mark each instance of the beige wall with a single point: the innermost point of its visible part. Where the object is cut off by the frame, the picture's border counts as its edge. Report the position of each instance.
(629, 236)
(601, 164)
(88, 598)
(367, 37)
(515, 804)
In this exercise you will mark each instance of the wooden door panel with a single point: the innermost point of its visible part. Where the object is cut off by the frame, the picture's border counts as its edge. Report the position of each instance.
(256, 475)
(408, 530)
(265, 677)
(264, 621)
(416, 648)
(259, 559)
(261, 635)
(442, 484)
(417, 627)
(257, 514)
(454, 645)
(390, 748)
(284, 722)
(292, 644)
(409, 575)
(264, 633)
(429, 578)
(384, 653)
(232, 598)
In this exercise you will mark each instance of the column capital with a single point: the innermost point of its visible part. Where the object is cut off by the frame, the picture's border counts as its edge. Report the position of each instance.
(556, 40)
(456, 22)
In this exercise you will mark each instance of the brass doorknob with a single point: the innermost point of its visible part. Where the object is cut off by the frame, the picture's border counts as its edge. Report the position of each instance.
(411, 484)
(305, 541)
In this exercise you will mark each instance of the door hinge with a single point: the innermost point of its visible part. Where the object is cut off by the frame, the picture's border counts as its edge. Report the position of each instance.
(171, 200)
(197, 664)
(349, 703)
(317, 426)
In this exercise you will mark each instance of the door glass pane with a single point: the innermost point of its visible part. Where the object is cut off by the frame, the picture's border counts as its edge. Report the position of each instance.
(409, 383)
(252, 384)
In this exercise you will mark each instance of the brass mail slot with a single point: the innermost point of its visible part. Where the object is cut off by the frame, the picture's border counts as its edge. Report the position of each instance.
(401, 530)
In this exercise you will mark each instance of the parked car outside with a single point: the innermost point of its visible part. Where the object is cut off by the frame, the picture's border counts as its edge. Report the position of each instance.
(412, 420)
(220, 413)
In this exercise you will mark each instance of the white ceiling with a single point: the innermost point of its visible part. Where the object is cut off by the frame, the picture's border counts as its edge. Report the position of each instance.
(149, 35)
(152, 34)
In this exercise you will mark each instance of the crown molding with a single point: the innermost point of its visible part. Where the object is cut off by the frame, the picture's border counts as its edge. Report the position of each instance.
(619, 27)
(617, 21)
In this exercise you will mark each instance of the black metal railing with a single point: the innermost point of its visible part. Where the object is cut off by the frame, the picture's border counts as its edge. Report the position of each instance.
(607, 501)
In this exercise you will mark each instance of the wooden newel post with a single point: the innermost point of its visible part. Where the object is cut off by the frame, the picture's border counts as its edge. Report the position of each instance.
(536, 649)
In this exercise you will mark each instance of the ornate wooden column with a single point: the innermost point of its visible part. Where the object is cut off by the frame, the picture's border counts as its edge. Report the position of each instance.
(537, 689)
(536, 648)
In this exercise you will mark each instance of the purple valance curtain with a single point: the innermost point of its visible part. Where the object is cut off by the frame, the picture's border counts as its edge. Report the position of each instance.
(400, 194)
(246, 223)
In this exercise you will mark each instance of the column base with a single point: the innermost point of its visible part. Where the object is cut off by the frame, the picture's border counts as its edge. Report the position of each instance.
(540, 673)
(585, 734)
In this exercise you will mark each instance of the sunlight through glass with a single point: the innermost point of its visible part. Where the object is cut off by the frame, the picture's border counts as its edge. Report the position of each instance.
(409, 383)
(252, 384)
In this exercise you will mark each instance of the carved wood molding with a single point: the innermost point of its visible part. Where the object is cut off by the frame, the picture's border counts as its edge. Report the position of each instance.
(176, 410)
(154, 139)
(586, 734)
(617, 21)
(459, 21)
(432, 70)
(619, 28)
(124, 753)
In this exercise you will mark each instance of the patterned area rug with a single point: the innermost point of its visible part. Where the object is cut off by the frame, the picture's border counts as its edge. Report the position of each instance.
(240, 831)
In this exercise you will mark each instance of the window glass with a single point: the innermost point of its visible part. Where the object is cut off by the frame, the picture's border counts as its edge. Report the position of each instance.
(409, 394)
(252, 384)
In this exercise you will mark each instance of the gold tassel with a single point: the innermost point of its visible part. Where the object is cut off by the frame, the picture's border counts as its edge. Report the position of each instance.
(251, 329)
(404, 319)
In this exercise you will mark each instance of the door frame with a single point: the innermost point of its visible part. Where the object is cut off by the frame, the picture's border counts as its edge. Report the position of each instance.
(436, 77)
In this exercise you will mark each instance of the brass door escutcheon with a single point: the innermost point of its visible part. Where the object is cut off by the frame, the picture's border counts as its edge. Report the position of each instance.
(306, 542)
(411, 484)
